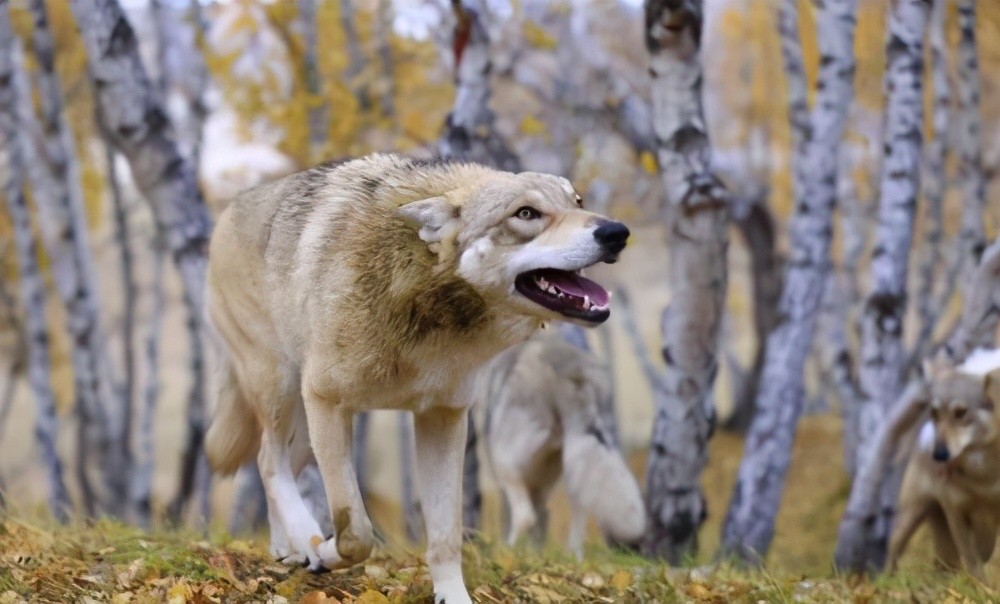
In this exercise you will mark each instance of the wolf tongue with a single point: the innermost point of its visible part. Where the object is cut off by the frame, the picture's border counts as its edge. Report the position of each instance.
(575, 285)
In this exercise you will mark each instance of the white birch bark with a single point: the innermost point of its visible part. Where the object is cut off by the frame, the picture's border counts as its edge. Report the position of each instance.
(31, 284)
(140, 130)
(697, 211)
(383, 35)
(755, 222)
(413, 520)
(883, 357)
(318, 109)
(142, 480)
(469, 132)
(53, 174)
(749, 525)
(932, 181)
(969, 141)
(355, 54)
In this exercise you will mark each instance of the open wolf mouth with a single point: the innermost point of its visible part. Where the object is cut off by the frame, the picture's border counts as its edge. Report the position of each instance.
(566, 293)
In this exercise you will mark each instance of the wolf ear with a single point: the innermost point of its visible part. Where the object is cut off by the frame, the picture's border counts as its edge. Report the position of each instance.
(991, 386)
(935, 366)
(435, 219)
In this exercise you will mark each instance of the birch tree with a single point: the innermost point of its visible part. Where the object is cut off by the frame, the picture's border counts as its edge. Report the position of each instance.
(749, 525)
(968, 142)
(383, 36)
(697, 214)
(31, 285)
(318, 109)
(883, 358)
(355, 54)
(138, 127)
(933, 180)
(140, 130)
(469, 132)
(52, 170)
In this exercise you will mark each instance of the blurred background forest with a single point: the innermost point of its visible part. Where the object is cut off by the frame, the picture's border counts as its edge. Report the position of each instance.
(250, 100)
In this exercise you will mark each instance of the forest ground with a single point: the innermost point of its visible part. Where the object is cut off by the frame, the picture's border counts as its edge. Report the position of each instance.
(107, 562)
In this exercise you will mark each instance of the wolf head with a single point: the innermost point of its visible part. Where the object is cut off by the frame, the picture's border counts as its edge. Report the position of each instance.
(963, 407)
(523, 239)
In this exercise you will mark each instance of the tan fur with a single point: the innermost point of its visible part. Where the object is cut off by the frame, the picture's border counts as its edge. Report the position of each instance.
(543, 422)
(958, 497)
(382, 282)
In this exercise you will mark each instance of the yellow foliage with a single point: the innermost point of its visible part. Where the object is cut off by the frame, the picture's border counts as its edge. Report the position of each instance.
(648, 162)
(538, 37)
(532, 126)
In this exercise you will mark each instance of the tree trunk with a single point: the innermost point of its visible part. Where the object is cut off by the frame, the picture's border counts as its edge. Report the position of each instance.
(413, 521)
(969, 142)
(52, 170)
(866, 507)
(933, 178)
(883, 359)
(469, 132)
(749, 525)
(383, 36)
(756, 224)
(318, 108)
(142, 481)
(355, 55)
(140, 130)
(32, 285)
(697, 210)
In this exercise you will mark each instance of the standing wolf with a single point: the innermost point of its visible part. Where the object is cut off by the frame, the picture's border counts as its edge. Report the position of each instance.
(542, 401)
(383, 283)
(952, 480)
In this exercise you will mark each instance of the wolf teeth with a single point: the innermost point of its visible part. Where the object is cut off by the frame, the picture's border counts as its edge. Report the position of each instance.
(586, 302)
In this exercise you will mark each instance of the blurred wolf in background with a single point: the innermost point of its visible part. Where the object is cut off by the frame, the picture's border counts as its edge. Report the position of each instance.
(952, 480)
(383, 283)
(541, 402)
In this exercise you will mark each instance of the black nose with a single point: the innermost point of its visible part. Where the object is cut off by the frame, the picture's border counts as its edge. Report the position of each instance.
(612, 236)
(941, 452)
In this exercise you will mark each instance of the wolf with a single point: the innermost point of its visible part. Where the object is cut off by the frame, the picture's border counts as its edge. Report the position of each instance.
(952, 479)
(542, 404)
(384, 282)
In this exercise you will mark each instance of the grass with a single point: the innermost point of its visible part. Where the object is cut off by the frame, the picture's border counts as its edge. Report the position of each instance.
(107, 562)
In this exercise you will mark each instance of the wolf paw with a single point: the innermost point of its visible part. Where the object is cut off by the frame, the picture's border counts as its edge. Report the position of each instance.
(451, 592)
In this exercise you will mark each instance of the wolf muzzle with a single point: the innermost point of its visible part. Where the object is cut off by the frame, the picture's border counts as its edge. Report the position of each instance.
(612, 236)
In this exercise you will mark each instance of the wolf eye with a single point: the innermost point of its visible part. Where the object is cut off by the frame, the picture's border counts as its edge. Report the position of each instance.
(527, 213)
(934, 413)
(959, 413)
(579, 201)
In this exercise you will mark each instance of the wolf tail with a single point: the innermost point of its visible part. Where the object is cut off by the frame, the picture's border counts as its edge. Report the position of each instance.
(234, 435)
(600, 483)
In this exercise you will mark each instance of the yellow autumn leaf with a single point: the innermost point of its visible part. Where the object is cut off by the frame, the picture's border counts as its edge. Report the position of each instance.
(648, 162)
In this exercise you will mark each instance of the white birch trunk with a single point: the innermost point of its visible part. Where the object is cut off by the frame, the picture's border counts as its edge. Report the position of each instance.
(52, 171)
(31, 284)
(749, 525)
(697, 210)
(355, 55)
(932, 181)
(383, 35)
(883, 357)
(969, 142)
(469, 132)
(140, 130)
(142, 480)
(413, 520)
(318, 108)
(756, 224)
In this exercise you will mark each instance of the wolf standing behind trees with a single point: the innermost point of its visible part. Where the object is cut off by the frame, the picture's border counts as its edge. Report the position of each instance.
(384, 282)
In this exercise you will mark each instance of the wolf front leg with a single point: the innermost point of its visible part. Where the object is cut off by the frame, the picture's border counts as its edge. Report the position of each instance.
(440, 436)
(330, 432)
